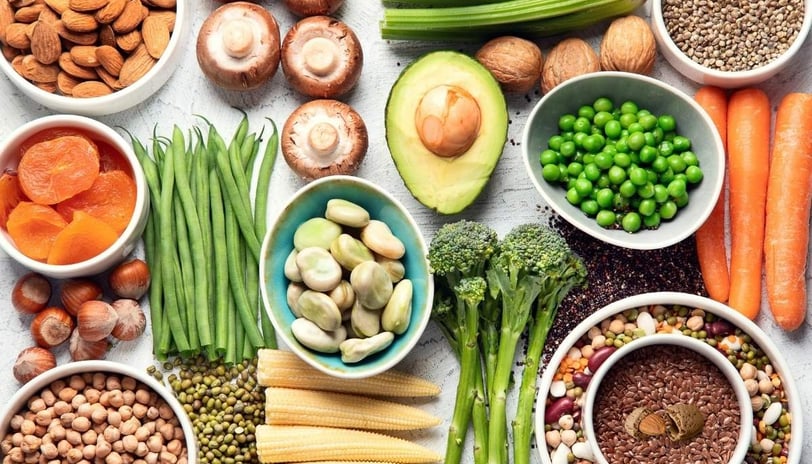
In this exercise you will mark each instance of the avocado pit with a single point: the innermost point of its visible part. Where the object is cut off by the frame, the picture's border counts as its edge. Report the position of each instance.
(448, 120)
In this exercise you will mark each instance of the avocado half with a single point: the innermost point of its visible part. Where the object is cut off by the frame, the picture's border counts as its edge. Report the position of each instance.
(445, 184)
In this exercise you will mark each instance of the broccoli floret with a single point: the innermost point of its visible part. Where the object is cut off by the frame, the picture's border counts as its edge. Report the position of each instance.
(461, 249)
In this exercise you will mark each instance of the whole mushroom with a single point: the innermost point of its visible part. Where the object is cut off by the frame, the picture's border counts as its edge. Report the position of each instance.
(238, 46)
(322, 57)
(304, 8)
(324, 137)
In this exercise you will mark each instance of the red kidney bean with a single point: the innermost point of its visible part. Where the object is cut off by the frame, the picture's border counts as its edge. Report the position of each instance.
(720, 327)
(581, 379)
(558, 408)
(599, 356)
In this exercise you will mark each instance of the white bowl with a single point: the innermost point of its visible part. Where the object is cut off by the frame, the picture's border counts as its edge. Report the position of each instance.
(703, 349)
(656, 96)
(727, 79)
(65, 371)
(126, 242)
(794, 401)
(122, 99)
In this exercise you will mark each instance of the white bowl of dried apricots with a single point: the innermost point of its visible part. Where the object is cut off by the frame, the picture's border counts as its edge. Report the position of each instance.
(93, 57)
(73, 196)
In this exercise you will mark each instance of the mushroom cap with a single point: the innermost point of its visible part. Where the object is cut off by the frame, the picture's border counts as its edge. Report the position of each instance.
(324, 137)
(253, 35)
(304, 8)
(322, 57)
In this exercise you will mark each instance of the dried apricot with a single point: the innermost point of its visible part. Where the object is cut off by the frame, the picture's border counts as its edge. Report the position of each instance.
(83, 238)
(10, 195)
(111, 199)
(57, 169)
(33, 228)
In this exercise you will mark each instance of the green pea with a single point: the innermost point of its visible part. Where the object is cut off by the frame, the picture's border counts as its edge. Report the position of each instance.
(629, 107)
(690, 158)
(620, 203)
(567, 149)
(660, 193)
(612, 129)
(627, 119)
(555, 142)
(583, 187)
(548, 156)
(648, 154)
(647, 207)
(605, 197)
(666, 176)
(573, 197)
(550, 172)
(646, 190)
(667, 123)
(586, 111)
(566, 122)
(651, 141)
(593, 143)
(622, 145)
(590, 207)
(603, 181)
(617, 175)
(635, 127)
(638, 175)
(648, 121)
(666, 148)
(627, 189)
(681, 143)
(668, 210)
(578, 138)
(658, 135)
(682, 201)
(605, 218)
(601, 118)
(574, 169)
(603, 104)
(604, 160)
(676, 163)
(592, 171)
(694, 174)
(631, 222)
(610, 149)
(636, 141)
(622, 160)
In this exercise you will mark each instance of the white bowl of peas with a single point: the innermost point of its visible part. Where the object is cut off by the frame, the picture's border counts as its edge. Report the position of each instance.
(625, 158)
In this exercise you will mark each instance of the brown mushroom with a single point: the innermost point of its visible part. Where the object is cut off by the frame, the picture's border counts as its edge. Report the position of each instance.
(238, 46)
(322, 57)
(305, 8)
(324, 137)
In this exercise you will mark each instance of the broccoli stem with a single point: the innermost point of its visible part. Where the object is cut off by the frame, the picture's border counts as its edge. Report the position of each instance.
(466, 386)
(480, 420)
(489, 336)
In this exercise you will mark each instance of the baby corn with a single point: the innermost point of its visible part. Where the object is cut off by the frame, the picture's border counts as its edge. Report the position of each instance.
(279, 368)
(298, 443)
(288, 406)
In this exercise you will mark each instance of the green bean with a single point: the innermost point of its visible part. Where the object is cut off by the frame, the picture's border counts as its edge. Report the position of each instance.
(193, 240)
(222, 296)
(167, 251)
(187, 271)
(241, 132)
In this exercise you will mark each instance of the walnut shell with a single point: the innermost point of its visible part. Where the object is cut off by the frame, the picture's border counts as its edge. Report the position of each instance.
(569, 58)
(628, 45)
(513, 61)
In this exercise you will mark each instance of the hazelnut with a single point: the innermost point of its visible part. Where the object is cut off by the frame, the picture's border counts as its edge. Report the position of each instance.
(513, 61)
(569, 58)
(628, 45)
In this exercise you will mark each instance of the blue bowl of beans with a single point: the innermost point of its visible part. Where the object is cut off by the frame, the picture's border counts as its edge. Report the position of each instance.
(628, 159)
(731, 44)
(645, 320)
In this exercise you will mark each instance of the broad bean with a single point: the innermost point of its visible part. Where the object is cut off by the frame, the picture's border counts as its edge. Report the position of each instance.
(316, 232)
(378, 237)
(319, 270)
(356, 349)
(346, 213)
(320, 309)
(398, 310)
(372, 284)
(312, 336)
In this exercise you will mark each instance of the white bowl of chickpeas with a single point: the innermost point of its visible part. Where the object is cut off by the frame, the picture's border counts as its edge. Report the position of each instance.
(95, 58)
(89, 410)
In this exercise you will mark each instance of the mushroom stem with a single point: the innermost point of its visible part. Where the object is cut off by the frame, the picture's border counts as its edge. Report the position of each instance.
(238, 37)
(323, 138)
(320, 56)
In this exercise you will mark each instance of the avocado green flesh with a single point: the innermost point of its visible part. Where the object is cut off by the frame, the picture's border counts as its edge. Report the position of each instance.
(446, 184)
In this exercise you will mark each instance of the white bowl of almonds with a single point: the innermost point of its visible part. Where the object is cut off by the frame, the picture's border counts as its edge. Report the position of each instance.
(91, 57)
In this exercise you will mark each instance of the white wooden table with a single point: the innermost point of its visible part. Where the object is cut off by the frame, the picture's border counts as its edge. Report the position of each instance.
(508, 199)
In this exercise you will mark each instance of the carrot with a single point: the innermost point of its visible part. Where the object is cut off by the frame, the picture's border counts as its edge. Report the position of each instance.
(710, 237)
(789, 193)
(748, 136)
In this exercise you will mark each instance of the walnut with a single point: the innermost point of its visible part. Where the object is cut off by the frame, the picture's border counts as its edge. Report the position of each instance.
(569, 58)
(628, 45)
(513, 61)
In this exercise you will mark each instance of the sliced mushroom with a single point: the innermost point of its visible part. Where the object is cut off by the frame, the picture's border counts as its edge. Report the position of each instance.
(322, 57)
(324, 137)
(304, 8)
(238, 46)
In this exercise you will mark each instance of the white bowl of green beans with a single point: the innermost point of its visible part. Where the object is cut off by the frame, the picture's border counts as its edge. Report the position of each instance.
(625, 158)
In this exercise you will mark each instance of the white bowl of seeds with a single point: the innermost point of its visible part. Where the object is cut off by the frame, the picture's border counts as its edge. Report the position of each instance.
(730, 44)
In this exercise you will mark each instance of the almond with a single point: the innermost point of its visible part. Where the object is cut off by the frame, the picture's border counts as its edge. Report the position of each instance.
(167, 16)
(49, 87)
(67, 64)
(652, 424)
(84, 55)
(156, 36)
(45, 43)
(6, 18)
(79, 22)
(65, 82)
(10, 52)
(22, 3)
(110, 59)
(107, 36)
(48, 15)
(168, 4)
(111, 11)
(58, 5)
(87, 5)
(135, 66)
(90, 89)
(109, 79)
(29, 14)
(17, 63)
(129, 41)
(78, 38)
(130, 18)
(35, 71)
(17, 36)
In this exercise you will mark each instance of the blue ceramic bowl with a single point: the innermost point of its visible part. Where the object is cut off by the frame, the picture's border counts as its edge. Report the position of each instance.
(311, 201)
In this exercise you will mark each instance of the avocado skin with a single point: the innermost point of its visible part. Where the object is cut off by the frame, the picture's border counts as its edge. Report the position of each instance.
(446, 185)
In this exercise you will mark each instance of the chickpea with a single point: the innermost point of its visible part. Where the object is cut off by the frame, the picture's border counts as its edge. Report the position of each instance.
(92, 395)
(73, 437)
(114, 418)
(130, 443)
(140, 410)
(103, 448)
(49, 451)
(36, 405)
(81, 424)
(168, 458)
(30, 443)
(155, 442)
(66, 394)
(48, 397)
(89, 451)
(126, 412)
(77, 382)
(153, 413)
(151, 458)
(129, 426)
(142, 396)
(78, 400)
(113, 382)
(28, 427)
(113, 458)
(141, 450)
(63, 446)
(74, 455)
(90, 437)
(129, 397)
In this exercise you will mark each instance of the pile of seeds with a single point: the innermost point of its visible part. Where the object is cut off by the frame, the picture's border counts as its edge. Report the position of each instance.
(733, 35)
(656, 377)
(224, 403)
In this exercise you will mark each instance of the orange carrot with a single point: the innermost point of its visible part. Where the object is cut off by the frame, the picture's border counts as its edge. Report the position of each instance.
(710, 237)
(748, 143)
(789, 193)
